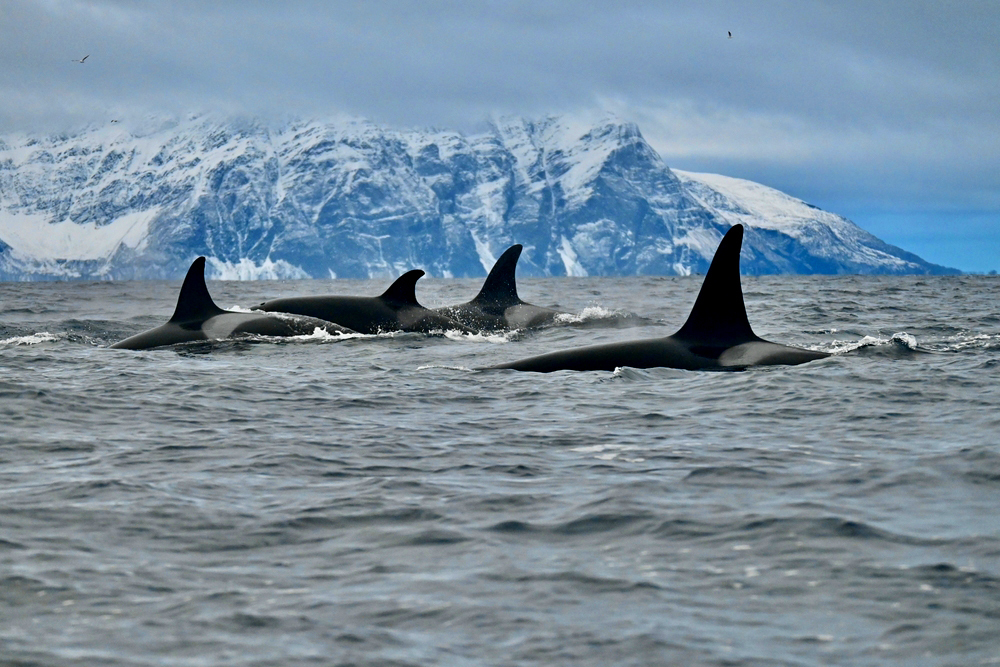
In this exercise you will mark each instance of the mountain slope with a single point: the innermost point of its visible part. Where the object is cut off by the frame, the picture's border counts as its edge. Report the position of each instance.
(347, 198)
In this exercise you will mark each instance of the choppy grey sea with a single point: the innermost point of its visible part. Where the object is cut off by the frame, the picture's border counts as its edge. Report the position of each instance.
(375, 500)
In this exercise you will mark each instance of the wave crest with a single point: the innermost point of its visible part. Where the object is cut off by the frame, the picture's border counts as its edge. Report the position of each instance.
(31, 339)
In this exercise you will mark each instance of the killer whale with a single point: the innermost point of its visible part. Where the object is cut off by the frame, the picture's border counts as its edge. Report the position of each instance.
(196, 317)
(497, 306)
(396, 309)
(716, 336)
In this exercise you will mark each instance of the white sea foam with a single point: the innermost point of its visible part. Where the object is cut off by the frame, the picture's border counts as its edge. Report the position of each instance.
(32, 339)
(324, 335)
(901, 338)
(320, 334)
(446, 367)
(965, 341)
(627, 373)
(317, 336)
(589, 314)
(497, 337)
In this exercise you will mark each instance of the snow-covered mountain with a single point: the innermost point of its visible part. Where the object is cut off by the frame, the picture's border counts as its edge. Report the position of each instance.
(349, 199)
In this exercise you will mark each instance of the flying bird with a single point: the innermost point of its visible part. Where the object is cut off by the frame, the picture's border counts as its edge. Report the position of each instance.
(730, 34)
(82, 59)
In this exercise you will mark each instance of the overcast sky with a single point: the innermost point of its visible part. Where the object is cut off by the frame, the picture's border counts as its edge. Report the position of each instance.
(886, 112)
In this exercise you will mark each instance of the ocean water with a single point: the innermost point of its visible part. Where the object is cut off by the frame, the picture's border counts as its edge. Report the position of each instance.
(378, 501)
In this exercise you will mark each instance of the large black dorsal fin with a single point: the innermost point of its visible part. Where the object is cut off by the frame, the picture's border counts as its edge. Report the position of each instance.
(500, 288)
(404, 290)
(719, 316)
(194, 302)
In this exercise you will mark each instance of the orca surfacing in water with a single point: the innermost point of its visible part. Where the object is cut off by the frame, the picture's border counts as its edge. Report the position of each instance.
(196, 317)
(716, 336)
(497, 306)
(396, 309)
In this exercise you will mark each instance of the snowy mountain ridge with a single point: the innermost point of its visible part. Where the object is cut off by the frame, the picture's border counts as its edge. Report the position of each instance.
(347, 198)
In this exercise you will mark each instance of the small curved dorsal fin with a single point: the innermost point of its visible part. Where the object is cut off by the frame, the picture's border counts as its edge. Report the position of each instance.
(719, 316)
(404, 290)
(194, 301)
(500, 287)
